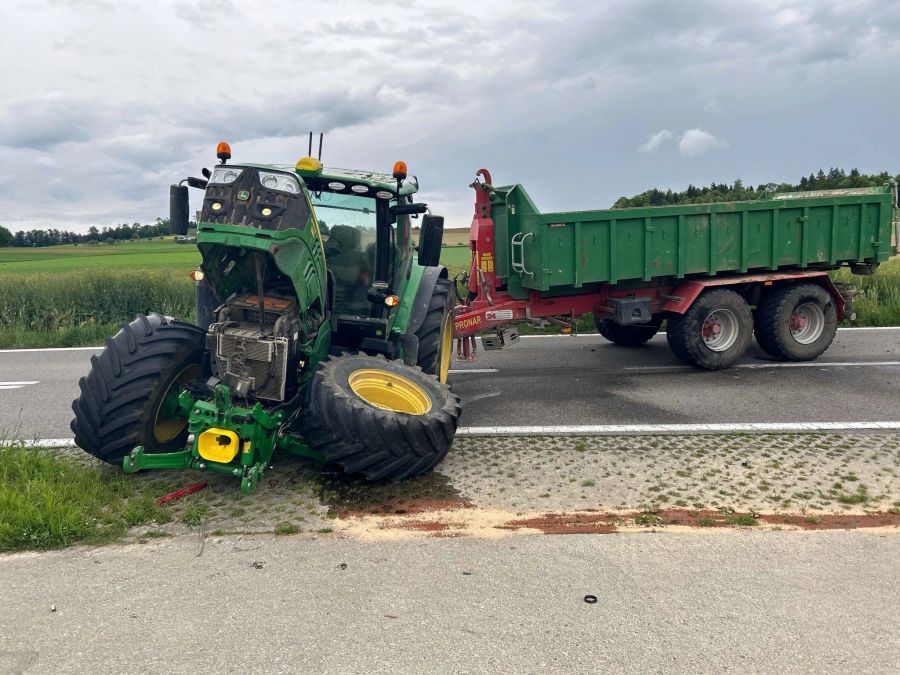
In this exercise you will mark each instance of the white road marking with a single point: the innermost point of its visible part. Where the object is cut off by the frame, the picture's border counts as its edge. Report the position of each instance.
(596, 335)
(470, 371)
(15, 385)
(50, 349)
(631, 429)
(524, 337)
(40, 443)
(776, 364)
(602, 430)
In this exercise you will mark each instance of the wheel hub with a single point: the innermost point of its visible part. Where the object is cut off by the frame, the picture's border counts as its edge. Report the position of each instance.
(389, 391)
(807, 323)
(720, 330)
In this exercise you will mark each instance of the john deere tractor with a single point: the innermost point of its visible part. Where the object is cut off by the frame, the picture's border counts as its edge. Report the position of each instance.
(321, 332)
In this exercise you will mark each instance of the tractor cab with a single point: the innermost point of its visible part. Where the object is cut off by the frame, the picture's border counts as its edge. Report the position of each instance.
(364, 220)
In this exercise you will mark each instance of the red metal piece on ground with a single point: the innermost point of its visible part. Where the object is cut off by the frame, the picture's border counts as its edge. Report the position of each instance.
(178, 494)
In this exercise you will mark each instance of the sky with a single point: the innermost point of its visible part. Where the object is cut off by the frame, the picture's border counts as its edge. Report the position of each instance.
(107, 102)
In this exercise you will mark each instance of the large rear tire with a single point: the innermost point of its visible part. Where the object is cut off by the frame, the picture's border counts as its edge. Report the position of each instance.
(379, 418)
(715, 331)
(122, 399)
(436, 332)
(627, 336)
(796, 322)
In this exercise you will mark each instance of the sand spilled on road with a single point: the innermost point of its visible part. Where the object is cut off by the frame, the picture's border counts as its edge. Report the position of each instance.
(468, 521)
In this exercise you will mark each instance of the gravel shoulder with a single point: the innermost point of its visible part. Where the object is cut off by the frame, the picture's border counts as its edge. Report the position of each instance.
(495, 486)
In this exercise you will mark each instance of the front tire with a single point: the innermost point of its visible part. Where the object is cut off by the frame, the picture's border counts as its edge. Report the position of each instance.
(436, 332)
(628, 336)
(122, 399)
(714, 333)
(378, 418)
(796, 322)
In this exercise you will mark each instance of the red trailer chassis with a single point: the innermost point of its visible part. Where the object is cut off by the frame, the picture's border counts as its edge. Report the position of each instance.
(489, 306)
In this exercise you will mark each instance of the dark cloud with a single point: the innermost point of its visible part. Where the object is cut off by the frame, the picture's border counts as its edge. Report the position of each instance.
(134, 96)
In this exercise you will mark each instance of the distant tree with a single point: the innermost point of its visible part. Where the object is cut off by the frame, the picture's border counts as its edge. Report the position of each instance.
(720, 192)
(6, 237)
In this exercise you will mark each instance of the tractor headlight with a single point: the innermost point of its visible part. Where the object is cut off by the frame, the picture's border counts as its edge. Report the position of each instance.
(282, 182)
(225, 175)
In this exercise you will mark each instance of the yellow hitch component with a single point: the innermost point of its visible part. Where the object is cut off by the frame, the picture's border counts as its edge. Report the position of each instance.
(218, 445)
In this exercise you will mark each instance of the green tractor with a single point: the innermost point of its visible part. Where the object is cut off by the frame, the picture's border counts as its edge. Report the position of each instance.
(320, 332)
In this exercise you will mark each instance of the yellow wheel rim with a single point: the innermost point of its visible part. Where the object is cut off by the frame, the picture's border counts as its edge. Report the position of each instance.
(445, 350)
(166, 429)
(389, 391)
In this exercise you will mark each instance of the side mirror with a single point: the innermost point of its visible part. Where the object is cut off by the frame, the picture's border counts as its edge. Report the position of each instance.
(408, 209)
(179, 206)
(198, 183)
(431, 236)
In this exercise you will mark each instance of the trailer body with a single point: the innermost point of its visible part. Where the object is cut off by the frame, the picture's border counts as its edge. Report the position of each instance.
(639, 265)
(567, 252)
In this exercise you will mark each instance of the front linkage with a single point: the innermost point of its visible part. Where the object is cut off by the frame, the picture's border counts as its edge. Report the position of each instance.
(225, 438)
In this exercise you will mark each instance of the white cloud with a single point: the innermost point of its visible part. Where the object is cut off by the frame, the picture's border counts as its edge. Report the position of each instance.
(695, 142)
(654, 141)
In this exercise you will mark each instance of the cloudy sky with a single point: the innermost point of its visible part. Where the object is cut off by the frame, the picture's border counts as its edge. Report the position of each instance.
(106, 102)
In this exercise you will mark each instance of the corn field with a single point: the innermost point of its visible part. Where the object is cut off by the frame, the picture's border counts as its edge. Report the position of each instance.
(76, 308)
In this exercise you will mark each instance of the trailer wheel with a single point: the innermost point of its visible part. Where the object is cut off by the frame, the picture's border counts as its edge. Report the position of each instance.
(124, 400)
(378, 418)
(436, 332)
(714, 333)
(627, 336)
(796, 322)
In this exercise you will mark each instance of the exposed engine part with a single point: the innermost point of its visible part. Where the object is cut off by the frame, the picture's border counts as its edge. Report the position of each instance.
(254, 345)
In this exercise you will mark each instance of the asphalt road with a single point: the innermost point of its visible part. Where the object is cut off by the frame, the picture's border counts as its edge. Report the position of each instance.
(720, 601)
(569, 381)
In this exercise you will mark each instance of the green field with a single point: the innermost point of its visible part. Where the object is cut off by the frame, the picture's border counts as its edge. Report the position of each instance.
(68, 296)
(129, 255)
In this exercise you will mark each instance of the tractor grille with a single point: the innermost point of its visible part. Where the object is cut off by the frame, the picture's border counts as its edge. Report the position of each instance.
(261, 364)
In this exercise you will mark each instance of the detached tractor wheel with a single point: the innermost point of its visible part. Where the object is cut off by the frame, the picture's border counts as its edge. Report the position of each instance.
(714, 333)
(379, 418)
(796, 322)
(436, 332)
(627, 336)
(127, 398)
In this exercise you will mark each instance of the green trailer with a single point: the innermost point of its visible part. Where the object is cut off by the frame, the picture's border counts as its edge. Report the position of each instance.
(715, 272)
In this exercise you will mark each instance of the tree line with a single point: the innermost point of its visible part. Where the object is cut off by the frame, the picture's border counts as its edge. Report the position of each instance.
(94, 235)
(835, 179)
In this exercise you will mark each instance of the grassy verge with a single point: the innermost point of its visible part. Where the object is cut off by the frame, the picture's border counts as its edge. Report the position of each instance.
(48, 503)
(878, 299)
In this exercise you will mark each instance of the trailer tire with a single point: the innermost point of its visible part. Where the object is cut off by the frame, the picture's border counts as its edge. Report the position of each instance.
(627, 336)
(435, 334)
(714, 332)
(120, 405)
(796, 322)
(377, 418)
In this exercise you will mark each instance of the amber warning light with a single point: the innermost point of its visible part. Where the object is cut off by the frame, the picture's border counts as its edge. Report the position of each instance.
(400, 170)
(223, 151)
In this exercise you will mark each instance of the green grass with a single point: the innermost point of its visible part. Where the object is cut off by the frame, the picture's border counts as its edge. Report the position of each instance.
(48, 503)
(878, 299)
